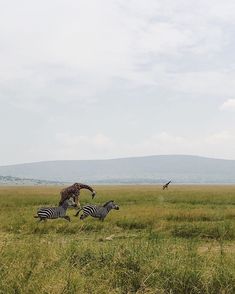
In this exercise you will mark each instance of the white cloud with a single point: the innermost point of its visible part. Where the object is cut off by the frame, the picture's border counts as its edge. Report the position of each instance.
(221, 137)
(228, 105)
(64, 62)
(72, 146)
(206, 83)
(92, 44)
(100, 146)
(220, 144)
(217, 145)
(165, 38)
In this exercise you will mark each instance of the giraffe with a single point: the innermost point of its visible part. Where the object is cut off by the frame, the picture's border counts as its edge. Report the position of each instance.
(74, 192)
(166, 185)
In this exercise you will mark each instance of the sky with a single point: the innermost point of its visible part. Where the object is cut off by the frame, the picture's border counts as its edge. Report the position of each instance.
(97, 79)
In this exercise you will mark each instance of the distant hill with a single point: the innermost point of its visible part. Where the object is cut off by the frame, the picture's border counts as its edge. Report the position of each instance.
(148, 169)
(12, 181)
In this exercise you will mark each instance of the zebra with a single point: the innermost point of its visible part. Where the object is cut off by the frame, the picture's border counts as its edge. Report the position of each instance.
(99, 212)
(166, 185)
(45, 213)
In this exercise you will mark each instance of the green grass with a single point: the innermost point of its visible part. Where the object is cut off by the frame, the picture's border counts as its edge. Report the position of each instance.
(176, 241)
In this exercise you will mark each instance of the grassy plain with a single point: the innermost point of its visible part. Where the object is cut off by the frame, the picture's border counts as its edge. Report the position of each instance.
(176, 241)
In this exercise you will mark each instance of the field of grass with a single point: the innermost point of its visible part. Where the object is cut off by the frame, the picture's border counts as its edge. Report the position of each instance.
(176, 241)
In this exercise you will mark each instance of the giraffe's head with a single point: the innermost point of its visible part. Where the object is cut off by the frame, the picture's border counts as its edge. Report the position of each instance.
(93, 194)
(77, 185)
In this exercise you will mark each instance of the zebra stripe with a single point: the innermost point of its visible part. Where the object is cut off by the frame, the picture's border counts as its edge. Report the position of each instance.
(54, 212)
(97, 211)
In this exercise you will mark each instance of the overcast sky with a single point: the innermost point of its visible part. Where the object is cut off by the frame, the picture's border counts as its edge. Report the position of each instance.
(99, 79)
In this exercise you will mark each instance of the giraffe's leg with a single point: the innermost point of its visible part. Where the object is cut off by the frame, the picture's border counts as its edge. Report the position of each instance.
(63, 197)
(75, 198)
(77, 201)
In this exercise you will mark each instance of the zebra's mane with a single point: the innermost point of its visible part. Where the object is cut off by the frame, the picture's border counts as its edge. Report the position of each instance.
(107, 203)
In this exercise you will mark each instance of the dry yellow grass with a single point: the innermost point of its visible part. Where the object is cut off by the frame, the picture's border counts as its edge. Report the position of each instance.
(177, 241)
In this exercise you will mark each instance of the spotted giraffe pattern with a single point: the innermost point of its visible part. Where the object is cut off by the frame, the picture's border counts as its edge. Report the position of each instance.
(166, 185)
(74, 192)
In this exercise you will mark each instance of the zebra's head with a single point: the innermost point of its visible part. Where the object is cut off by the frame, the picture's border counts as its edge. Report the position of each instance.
(69, 203)
(111, 205)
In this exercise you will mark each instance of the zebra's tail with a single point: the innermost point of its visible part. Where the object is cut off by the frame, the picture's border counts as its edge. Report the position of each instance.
(78, 212)
(36, 216)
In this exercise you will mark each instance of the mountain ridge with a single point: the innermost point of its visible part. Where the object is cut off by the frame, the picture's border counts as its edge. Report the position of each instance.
(149, 169)
(117, 158)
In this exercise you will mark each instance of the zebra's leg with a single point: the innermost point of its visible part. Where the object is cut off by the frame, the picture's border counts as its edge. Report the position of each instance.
(78, 212)
(83, 216)
(67, 218)
(36, 216)
(41, 218)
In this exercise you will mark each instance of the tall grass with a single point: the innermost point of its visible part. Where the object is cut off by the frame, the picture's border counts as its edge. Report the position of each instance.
(176, 241)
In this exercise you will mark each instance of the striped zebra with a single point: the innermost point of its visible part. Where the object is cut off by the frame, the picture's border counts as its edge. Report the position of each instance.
(99, 212)
(45, 213)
